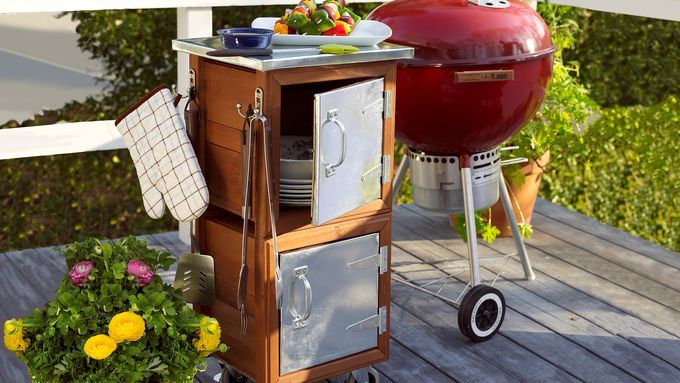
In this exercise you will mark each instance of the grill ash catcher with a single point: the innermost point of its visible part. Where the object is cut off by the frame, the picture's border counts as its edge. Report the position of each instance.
(480, 72)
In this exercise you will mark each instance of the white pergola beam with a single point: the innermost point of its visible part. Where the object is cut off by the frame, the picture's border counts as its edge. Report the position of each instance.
(33, 6)
(658, 9)
(45, 140)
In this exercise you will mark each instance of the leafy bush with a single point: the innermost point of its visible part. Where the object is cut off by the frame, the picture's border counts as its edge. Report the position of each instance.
(625, 173)
(113, 320)
(566, 105)
(627, 60)
(57, 199)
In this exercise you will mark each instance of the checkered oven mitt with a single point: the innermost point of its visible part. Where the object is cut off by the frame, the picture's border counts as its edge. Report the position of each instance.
(166, 164)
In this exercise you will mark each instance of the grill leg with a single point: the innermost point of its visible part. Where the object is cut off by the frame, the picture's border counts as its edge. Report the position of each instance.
(468, 201)
(516, 236)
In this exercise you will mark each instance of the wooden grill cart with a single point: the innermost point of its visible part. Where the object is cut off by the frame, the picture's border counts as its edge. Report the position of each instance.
(335, 252)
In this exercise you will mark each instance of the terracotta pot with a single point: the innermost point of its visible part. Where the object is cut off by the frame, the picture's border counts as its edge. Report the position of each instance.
(525, 196)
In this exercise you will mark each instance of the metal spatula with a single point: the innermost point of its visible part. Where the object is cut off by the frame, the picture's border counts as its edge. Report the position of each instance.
(195, 276)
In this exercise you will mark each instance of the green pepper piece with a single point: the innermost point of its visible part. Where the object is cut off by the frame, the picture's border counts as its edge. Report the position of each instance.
(352, 14)
(322, 21)
(297, 20)
(310, 29)
(338, 49)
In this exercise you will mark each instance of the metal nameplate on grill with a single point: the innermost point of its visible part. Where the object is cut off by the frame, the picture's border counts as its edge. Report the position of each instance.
(485, 75)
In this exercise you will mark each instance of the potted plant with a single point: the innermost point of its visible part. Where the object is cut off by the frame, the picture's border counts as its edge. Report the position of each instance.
(114, 320)
(563, 115)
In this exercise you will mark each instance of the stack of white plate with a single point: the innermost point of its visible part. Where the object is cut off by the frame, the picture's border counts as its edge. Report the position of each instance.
(295, 192)
(296, 171)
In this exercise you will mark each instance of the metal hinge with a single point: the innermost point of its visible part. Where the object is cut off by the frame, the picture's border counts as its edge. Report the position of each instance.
(379, 260)
(385, 177)
(378, 321)
(387, 104)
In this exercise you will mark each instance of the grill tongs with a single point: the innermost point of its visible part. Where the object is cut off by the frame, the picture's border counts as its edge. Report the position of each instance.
(248, 144)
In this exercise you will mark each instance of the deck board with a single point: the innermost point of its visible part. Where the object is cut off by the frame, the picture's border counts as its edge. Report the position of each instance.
(608, 233)
(605, 306)
(609, 347)
(563, 292)
(530, 334)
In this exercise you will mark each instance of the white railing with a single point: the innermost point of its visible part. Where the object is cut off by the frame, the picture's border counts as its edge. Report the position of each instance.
(194, 19)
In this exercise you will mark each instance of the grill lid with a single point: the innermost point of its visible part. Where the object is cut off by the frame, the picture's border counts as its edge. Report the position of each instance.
(458, 32)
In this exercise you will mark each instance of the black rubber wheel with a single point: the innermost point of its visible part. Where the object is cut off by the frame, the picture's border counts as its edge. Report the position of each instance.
(373, 377)
(229, 375)
(481, 313)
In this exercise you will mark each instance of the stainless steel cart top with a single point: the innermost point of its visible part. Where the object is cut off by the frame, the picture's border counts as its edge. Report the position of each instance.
(292, 56)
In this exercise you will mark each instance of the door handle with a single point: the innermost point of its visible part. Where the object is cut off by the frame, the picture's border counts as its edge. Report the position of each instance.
(332, 118)
(300, 319)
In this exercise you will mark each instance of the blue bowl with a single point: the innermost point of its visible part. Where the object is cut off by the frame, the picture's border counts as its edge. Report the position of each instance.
(246, 37)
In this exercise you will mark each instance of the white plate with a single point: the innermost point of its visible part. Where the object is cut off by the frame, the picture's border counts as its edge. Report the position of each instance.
(286, 181)
(295, 192)
(366, 33)
(296, 197)
(296, 203)
(296, 187)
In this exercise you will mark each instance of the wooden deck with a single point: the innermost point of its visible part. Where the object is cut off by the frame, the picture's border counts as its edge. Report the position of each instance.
(605, 306)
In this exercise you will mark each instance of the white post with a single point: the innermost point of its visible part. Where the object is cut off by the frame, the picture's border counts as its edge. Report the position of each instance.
(191, 22)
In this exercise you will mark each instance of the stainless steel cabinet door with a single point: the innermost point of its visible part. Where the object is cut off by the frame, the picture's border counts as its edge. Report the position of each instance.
(348, 140)
(326, 293)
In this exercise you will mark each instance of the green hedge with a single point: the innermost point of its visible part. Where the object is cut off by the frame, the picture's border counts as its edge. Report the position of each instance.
(59, 199)
(625, 172)
(627, 60)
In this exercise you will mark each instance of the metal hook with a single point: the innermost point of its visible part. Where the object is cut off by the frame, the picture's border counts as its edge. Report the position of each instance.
(238, 109)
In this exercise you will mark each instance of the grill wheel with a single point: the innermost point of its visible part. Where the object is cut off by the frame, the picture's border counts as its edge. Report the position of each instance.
(481, 313)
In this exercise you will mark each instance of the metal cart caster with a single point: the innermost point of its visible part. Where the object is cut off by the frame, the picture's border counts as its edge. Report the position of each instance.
(230, 375)
(481, 313)
(363, 375)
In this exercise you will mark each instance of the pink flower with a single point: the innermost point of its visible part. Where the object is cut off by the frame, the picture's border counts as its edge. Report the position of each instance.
(80, 272)
(141, 271)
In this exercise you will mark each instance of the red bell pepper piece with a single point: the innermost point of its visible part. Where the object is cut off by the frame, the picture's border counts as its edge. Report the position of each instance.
(338, 30)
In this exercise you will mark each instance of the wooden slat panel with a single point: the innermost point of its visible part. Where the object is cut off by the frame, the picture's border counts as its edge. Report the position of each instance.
(593, 307)
(224, 178)
(220, 100)
(225, 136)
(609, 234)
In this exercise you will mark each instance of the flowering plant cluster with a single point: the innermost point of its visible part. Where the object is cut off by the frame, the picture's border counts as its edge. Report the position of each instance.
(113, 320)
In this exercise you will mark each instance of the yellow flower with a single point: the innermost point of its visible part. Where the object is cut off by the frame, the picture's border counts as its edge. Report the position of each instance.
(209, 334)
(99, 346)
(126, 326)
(14, 336)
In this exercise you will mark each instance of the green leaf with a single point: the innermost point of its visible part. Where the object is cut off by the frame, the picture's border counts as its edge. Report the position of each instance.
(514, 174)
(489, 233)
